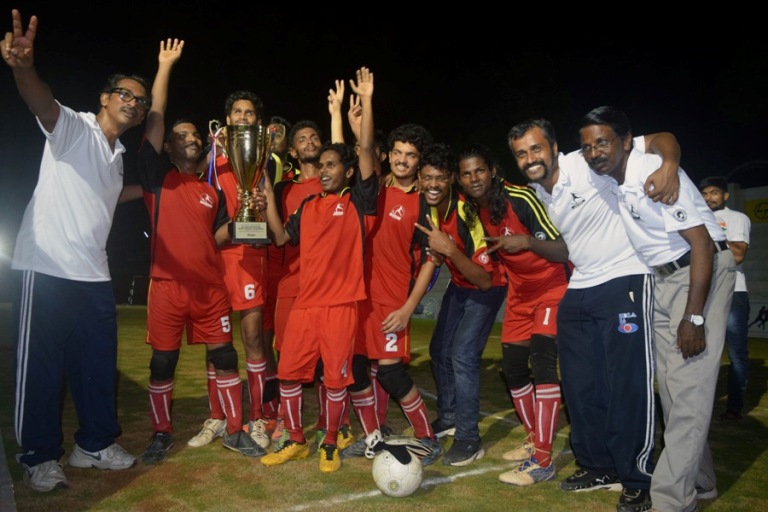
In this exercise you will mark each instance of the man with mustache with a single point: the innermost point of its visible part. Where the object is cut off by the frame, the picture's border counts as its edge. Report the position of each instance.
(67, 328)
(693, 287)
(189, 222)
(602, 318)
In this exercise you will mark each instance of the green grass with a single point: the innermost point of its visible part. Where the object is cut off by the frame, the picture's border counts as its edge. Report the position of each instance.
(213, 478)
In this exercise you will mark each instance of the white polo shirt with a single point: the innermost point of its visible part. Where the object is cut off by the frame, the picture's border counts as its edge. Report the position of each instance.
(585, 210)
(66, 224)
(736, 227)
(653, 227)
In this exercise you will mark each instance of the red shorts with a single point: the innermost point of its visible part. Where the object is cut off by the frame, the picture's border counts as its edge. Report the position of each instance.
(526, 315)
(396, 345)
(273, 275)
(283, 309)
(326, 333)
(244, 276)
(202, 308)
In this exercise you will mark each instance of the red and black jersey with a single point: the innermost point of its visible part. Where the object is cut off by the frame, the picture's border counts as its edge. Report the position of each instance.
(330, 232)
(469, 237)
(185, 213)
(395, 248)
(527, 272)
(288, 198)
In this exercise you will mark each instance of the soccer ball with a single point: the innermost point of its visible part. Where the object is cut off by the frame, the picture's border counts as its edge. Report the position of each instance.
(394, 478)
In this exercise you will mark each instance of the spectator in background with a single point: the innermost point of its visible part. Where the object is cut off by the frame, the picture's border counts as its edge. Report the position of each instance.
(736, 226)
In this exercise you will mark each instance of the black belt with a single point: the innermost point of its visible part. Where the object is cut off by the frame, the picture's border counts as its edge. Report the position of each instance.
(683, 261)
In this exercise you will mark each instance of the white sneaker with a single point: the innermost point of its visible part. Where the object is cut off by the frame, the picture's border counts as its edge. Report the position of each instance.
(111, 457)
(212, 428)
(46, 476)
(520, 454)
(257, 429)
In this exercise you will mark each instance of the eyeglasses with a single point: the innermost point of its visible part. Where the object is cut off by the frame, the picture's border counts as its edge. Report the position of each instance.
(600, 146)
(125, 96)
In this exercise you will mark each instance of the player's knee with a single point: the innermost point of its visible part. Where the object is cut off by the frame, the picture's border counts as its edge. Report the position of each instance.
(162, 366)
(544, 359)
(360, 373)
(514, 364)
(395, 380)
(223, 358)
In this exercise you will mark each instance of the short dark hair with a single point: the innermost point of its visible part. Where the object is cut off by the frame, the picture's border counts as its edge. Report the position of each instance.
(301, 125)
(440, 156)
(607, 115)
(411, 133)
(115, 78)
(346, 153)
(258, 105)
(714, 181)
(177, 122)
(281, 120)
(546, 127)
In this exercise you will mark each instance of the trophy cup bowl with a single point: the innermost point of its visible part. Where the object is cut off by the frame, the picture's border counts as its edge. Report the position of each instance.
(248, 149)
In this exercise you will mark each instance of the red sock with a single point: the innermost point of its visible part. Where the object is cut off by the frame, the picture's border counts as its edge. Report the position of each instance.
(336, 407)
(214, 402)
(322, 398)
(160, 399)
(231, 396)
(269, 409)
(380, 395)
(365, 407)
(416, 412)
(256, 371)
(547, 408)
(290, 404)
(524, 399)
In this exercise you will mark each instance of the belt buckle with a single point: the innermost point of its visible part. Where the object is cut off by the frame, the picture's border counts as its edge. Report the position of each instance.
(664, 270)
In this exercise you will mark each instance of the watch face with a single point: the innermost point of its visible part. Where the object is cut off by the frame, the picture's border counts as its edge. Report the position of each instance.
(696, 320)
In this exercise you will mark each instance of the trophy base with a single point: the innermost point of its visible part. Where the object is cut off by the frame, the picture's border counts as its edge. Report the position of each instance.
(254, 233)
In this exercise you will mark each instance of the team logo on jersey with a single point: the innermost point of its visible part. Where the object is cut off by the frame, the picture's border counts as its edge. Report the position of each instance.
(680, 215)
(576, 200)
(339, 211)
(484, 259)
(633, 212)
(506, 231)
(397, 212)
(540, 235)
(627, 327)
(206, 200)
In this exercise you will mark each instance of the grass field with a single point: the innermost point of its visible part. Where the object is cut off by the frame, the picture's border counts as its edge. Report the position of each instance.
(213, 478)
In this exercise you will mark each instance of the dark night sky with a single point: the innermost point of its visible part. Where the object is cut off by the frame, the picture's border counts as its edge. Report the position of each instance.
(467, 77)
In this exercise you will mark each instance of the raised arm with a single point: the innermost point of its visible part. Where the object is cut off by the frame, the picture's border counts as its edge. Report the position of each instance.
(363, 87)
(335, 99)
(170, 52)
(663, 185)
(19, 53)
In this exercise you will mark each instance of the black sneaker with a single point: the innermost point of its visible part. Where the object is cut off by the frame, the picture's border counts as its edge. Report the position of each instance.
(356, 449)
(442, 428)
(241, 442)
(463, 453)
(161, 443)
(634, 500)
(583, 480)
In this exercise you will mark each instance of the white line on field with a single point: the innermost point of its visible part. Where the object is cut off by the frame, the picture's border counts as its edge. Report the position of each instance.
(428, 482)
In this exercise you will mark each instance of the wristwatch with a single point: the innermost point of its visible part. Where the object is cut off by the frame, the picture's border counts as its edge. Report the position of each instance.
(696, 320)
